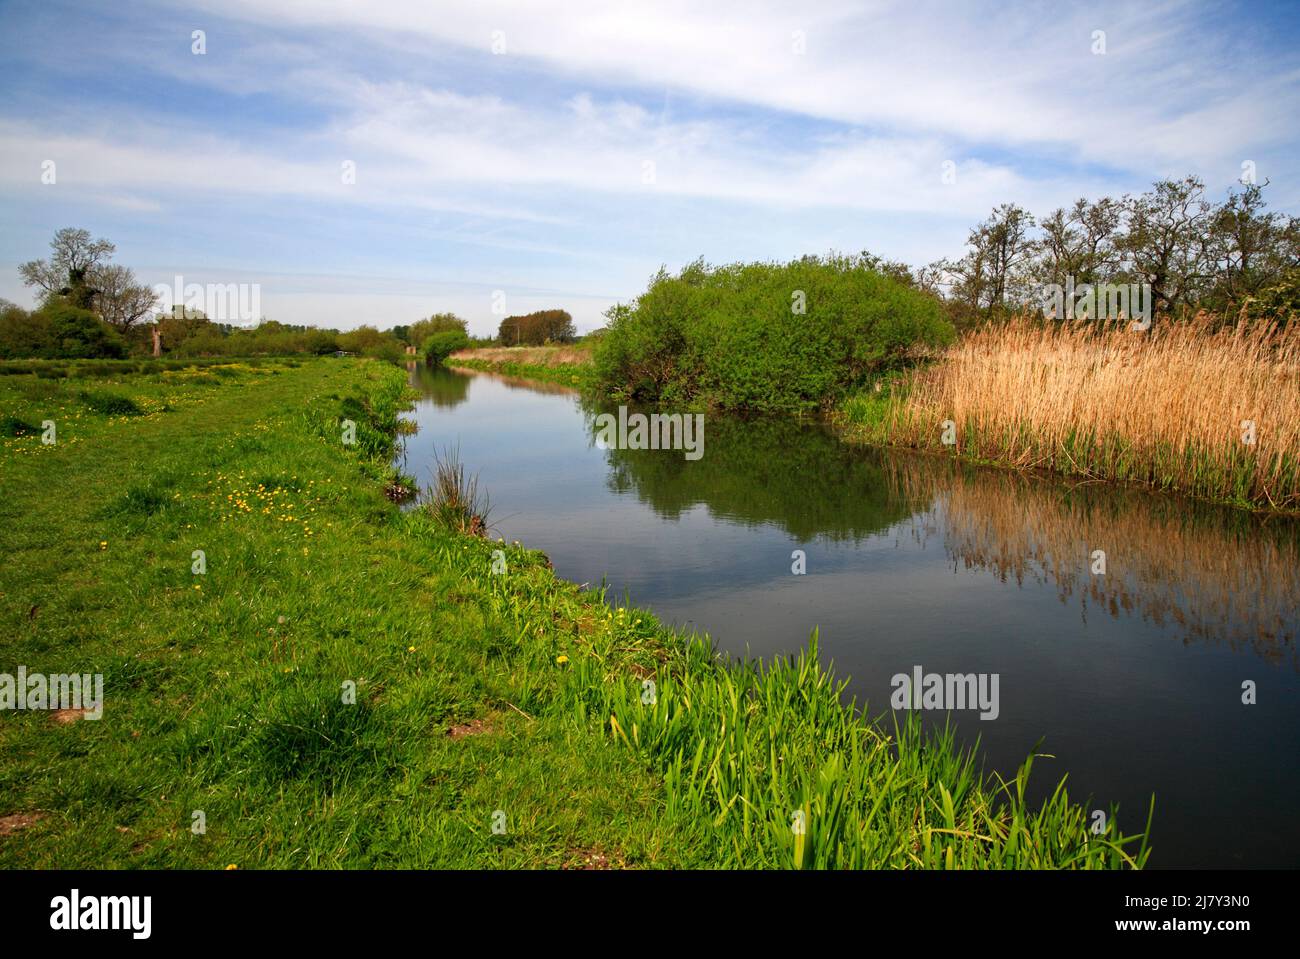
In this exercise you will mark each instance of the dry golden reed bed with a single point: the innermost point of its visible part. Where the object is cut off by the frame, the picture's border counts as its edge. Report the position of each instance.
(1167, 407)
(528, 355)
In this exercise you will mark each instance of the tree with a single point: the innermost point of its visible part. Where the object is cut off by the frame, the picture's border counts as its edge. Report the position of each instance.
(1277, 302)
(1004, 237)
(894, 269)
(419, 331)
(119, 299)
(534, 329)
(1250, 249)
(321, 342)
(1096, 258)
(993, 269)
(68, 271)
(1167, 240)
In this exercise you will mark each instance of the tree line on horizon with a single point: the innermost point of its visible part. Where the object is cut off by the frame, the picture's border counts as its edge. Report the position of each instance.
(1196, 255)
(1231, 258)
(89, 307)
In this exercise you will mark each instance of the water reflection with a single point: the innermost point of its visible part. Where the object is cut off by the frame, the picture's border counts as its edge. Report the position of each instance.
(1212, 574)
(779, 471)
(441, 386)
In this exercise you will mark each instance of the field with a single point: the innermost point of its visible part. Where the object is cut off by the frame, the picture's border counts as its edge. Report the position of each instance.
(333, 682)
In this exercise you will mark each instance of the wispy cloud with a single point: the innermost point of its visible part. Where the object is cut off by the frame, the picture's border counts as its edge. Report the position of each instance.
(600, 140)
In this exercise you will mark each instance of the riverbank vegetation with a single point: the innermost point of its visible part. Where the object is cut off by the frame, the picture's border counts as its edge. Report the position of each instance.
(1189, 406)
(764, 337)
(339, 683)
(568, 365)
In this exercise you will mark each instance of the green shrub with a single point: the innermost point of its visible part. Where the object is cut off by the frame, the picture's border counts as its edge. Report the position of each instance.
(764, 336)
(78, 333)
(438, 346)
(390, 351)
(24, 333)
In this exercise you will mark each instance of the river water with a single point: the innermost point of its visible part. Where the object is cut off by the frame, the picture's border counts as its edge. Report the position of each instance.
(1133, 680)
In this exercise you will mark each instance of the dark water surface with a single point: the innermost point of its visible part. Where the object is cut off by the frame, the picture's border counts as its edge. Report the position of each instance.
(1132, 680)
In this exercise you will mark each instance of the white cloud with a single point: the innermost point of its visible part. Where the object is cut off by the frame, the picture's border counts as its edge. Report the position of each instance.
(981, 72)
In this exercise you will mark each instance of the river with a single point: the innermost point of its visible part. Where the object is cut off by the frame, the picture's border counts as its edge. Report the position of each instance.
(1133, 679)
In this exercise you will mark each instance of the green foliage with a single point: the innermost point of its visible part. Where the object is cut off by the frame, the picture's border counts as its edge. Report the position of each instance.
(733, 337)
(25, 333)
(321, 342)
(1278, 301)
(418, 332)
(790, 776)
(438, 346)
(78, 333)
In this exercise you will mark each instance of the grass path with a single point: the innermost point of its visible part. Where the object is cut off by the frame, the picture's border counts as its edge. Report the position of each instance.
(223, 691)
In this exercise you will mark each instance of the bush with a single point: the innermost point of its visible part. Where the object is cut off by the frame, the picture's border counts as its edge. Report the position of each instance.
(57, 331)
(24, 334)
(764, 336)
(1278, 301)
(438, 346)
(322, 342)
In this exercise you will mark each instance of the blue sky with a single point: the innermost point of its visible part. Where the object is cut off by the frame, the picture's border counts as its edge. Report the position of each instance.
(600, 140)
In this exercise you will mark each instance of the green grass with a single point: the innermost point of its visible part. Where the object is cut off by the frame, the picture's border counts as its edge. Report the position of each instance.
(225, 692)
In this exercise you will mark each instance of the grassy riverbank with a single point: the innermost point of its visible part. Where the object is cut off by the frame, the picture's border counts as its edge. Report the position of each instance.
(511, 699)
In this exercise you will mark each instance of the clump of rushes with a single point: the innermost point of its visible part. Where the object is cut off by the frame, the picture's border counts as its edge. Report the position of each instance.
(454, 499)
(788, 775)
